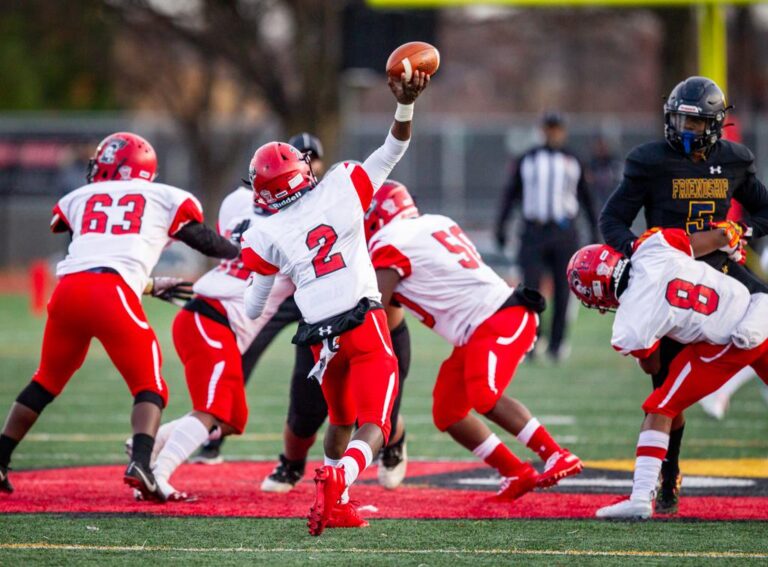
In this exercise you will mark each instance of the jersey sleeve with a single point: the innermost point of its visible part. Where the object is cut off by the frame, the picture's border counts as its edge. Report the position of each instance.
(189, 210)
(362, 184)
(252, 255)
(633, 333)
(388, 257)
(59, 221)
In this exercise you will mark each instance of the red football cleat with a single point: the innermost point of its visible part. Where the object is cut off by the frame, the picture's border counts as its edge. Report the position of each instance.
(346, 516)
(559, 465)
(329, 485)
(513, 487)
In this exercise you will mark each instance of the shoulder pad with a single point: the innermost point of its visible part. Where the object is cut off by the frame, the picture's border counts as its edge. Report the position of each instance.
(642, 159)
(731, 152)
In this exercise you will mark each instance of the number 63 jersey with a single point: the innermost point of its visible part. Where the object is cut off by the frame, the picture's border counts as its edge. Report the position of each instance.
(444, 281)
(123, 225)
(671, 294)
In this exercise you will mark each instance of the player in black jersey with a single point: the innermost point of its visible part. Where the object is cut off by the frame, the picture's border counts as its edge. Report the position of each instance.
(687, 181)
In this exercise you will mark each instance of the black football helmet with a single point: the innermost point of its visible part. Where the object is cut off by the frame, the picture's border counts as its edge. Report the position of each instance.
(306, 143)
(699, 97)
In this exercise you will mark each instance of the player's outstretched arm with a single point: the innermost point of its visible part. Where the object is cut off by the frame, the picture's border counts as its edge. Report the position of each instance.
(380, 163)
(257, 293)
(206, 241)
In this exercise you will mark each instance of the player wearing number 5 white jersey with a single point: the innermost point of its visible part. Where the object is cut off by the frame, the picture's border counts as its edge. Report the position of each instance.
(428, 265)
(210, 334)
(314, 235)
(120, 222)
(663, 291)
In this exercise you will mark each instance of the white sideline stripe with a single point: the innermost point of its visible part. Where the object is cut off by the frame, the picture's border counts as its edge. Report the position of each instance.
(688, 482)
(718, 355)
(513, 338)
(678, 382)
(218, 370)
(143, 324)
(390, 387)
(492, 372)
(156, 365)
(211, 343)
(381, 336)
(374, 551)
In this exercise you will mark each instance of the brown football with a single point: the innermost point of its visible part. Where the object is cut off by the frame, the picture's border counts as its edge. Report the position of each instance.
(413, 56)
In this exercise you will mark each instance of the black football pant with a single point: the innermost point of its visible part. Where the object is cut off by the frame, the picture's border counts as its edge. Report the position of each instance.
(548, 248)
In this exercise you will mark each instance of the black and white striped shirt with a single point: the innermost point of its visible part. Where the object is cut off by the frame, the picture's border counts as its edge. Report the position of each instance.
(550, 183)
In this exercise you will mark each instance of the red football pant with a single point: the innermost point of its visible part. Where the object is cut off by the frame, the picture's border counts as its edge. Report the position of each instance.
(86, 306)
(699, 370)
(476, 374)
(213, 367)
(361, 381)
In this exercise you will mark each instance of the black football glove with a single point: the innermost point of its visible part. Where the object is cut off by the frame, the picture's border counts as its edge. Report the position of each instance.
(173, 290)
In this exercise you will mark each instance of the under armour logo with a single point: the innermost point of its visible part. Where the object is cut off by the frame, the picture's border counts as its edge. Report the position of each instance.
(713, 170)
(325, 330)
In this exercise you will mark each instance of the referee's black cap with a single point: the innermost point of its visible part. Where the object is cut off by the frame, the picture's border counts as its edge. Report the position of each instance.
(553, 118)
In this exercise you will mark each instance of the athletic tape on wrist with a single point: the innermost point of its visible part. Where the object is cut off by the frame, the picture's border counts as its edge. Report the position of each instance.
(404, 112)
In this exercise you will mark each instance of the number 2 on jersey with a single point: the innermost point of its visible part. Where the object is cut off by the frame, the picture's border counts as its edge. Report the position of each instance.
(96, 218)
(470, 259)
(324, 237)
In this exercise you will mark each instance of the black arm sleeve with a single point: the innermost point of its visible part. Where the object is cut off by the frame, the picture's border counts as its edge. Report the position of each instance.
(512, 194)
(619, 213)
(753, 196)
(584, 195)
(205, 240)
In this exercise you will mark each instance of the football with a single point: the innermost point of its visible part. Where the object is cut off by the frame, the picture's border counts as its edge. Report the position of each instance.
(413, 56)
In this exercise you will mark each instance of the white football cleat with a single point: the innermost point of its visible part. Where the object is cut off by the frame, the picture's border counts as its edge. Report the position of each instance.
(627, 510)
(714, 405)
(393, 463)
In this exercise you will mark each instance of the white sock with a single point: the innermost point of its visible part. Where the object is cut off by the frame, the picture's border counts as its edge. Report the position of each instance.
(527, 432)
(735, 382)
(163, 433)
(188, 434)
(330, 462)
(351, 466)
(484, 449)
(648, 464)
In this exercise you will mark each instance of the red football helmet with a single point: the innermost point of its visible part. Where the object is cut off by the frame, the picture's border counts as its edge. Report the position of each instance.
(122, 156)
(391, 201)
(278, 171)
(593, 273)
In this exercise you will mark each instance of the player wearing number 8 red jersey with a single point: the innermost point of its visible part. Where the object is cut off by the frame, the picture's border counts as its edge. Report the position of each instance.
(664, 292)
(120, 222)
(314, 235)
(428, 265)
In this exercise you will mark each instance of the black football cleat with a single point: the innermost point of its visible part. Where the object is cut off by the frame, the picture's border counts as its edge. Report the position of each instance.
(668, 497)
(208, 455)
(142, 479)
(5, 484)
(285, 477)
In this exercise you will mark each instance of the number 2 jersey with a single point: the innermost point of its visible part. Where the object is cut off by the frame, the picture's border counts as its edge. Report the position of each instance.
(319, 243)
(444, 281)
(227, 282)
(123, 225)
(671, 294)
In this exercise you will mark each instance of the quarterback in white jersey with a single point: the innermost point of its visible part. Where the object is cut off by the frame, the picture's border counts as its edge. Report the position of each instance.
(314, 234)
(119, 223)
(663, 291)
(430, 267)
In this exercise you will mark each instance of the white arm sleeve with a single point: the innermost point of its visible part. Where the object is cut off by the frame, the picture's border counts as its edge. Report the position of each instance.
(380, 163)
(256, 294)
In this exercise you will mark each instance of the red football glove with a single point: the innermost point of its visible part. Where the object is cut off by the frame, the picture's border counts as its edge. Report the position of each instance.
(737, 234)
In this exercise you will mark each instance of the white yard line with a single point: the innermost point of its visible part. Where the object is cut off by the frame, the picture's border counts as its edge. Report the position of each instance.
(455, 551)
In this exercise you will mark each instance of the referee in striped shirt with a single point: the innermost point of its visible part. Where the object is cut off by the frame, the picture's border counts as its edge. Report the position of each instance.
(549, 183)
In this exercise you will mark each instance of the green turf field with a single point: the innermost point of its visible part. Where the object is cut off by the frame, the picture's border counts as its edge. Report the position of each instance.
(591, 403)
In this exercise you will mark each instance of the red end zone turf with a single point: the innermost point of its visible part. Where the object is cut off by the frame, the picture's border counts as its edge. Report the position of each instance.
(232, 489)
